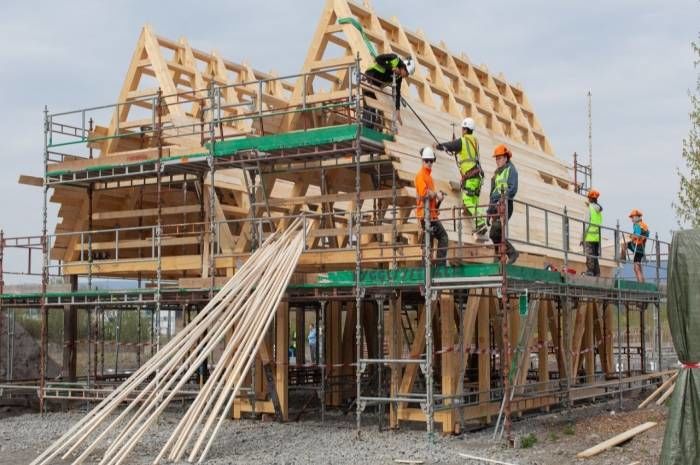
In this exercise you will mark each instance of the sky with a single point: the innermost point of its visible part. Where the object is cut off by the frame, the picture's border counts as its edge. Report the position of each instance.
(633, 55)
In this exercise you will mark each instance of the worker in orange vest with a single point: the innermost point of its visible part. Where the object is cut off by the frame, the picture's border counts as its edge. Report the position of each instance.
(640, 233)
(425, 189)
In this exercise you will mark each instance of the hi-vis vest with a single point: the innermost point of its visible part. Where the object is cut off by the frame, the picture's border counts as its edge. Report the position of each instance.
(469, 155)
(392, 65)
(501, 181)
(593, 232)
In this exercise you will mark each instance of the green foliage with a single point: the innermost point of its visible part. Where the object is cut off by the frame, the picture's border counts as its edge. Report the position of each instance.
(687, 204)
(569, 430)
(528, 441)
(553, 436)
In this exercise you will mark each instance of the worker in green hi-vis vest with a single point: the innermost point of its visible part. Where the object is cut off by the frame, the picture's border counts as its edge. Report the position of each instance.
(386, 68)
(503, 183)
(591, 238)
(466, 149)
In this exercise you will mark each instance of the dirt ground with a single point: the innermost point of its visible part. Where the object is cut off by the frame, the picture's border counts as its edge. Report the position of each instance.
(559, 436)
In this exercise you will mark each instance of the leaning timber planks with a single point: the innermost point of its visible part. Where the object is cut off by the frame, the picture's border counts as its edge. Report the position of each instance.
(665, 385)
(615, 440)
(247, 302)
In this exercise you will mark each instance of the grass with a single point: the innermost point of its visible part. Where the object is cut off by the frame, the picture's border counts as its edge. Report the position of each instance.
(569, 430)
(528, 441)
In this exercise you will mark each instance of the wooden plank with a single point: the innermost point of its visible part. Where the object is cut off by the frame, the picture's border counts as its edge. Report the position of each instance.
(579, 327)
(484, 358)
(449, 363)
(144, 212)
(658, 391)
(615, 440)
(30, 180)
(282, 358)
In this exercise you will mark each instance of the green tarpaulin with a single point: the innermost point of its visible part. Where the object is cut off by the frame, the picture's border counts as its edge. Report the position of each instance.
(682, 438)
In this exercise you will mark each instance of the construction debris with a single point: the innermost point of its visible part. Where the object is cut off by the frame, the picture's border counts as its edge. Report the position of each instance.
(243, 309)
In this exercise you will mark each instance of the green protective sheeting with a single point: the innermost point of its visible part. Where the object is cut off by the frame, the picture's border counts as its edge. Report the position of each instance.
(682, 440)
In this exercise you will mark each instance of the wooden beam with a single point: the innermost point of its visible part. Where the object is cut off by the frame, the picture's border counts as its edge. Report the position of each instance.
(282, 358)
(615, 440)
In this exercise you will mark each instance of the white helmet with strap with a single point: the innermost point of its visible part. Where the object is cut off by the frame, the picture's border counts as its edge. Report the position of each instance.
(426, 153)
(410, 65)
(468, 123)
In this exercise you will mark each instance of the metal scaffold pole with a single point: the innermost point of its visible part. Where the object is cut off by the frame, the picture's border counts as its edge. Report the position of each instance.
(355, 235)
(44, 268)
(159, 207)
(429, 401)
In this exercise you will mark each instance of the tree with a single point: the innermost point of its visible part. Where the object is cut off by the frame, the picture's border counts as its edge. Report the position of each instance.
(688, 203)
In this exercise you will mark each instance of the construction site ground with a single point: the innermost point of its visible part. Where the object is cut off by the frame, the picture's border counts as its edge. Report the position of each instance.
(559, 436)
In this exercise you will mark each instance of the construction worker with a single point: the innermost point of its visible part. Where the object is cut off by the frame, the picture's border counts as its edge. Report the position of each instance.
(425, 189)
(591, 237)
(467, 148)
(640, 233)
(312, 339)
(504, 181)
(381, 74)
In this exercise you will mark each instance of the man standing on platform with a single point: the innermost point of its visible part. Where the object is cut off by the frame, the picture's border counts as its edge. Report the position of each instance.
(425, 189)
(467, 149)
(640, 233)
(311, 338)
(591, 237)
(504, 182)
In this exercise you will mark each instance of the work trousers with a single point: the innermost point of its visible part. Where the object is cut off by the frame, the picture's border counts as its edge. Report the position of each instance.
(592, 251)
(470, 198)
(437, 232)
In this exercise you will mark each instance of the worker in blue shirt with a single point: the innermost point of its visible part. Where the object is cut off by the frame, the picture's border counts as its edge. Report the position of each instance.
(311, 338)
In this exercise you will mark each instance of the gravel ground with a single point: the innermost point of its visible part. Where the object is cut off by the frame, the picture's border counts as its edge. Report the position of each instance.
(23, 435)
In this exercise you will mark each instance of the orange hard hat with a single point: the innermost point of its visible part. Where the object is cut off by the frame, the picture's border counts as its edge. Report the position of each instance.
(501, 150)
(635, 212)
(593, 194)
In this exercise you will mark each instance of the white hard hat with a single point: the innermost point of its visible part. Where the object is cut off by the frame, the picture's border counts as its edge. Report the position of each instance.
(410, 65)
(426, 153)
(468, 123)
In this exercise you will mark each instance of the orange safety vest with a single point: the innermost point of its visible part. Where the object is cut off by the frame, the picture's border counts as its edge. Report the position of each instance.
(424, 183)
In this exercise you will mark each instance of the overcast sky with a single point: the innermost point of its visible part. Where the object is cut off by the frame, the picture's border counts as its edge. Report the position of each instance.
(634, 56)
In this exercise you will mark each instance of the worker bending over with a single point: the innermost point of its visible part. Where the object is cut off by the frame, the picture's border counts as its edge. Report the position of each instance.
(591, 238)
(467, 150)
(381, 74)
(425, 189)
(640, 233)
(504, 181)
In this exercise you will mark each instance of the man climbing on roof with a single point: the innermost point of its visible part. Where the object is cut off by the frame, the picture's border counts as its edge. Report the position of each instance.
(640, 233)
(381, 74)
(472, 176)
(504, 182)
(591, 236)
(425, 189)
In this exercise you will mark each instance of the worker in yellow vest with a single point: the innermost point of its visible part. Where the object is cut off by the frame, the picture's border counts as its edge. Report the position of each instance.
(504, 182)
(591, 237)
(467, 150)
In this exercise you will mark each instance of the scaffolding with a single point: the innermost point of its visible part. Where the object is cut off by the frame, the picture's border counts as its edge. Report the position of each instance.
(415, 323)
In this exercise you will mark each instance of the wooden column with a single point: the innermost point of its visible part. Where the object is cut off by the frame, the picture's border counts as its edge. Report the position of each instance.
(282, 358)
(448, 362)
(395, 343)
(577, 340)
(300, 335)
(70, 332)
(590, 346)
(543, 352)
(334, 340)
(484, 355)
(348, 352)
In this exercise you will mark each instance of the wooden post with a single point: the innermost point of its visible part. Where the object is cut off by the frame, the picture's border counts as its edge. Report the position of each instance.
(282, 358)
(349, 346)
(333, 353)
(484, 354)
(395, 341)
(447, 328)
(590, 346)
(300, 335)
(70, 331)
(543, 352)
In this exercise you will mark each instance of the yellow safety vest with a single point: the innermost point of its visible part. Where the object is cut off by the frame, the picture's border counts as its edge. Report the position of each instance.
(469, 154)
(593, 232)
